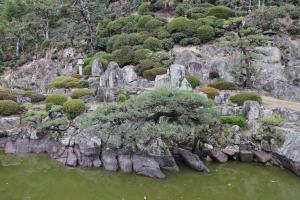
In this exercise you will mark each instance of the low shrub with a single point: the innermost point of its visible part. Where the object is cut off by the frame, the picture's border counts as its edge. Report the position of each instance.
(223, 85)
(73, 107)
(275, 120)
(34, 97)
(190, 41)
(152, 43)
(234, 120)
(160, 33)
(177, 37)
(55, 99)
(182, 8)
(123, 56)
(221, 12)
(242, 97)
(8, 107)
(210, 92)
(193, 80)
(64, 82)
(167, 44)
(143, 66)
(141, 54)
(76, 94)
(205, 33)
(5, 94)
(150, 74)
(181, 24)
(144, 8)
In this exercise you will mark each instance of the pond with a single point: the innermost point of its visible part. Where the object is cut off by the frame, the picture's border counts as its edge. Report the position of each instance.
(36, 177)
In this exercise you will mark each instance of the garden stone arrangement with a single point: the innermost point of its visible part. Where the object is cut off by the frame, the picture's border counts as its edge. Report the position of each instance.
(142, 92)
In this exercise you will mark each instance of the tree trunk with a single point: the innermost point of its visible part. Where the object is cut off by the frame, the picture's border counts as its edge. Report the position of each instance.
(83, 7)
(18, 47)
(47, 29)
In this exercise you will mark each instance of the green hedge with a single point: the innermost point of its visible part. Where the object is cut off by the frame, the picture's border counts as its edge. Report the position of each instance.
(55, 99)
(242, 97)
(234, 120)
(8, 107)
(73, 107)
(224, 85)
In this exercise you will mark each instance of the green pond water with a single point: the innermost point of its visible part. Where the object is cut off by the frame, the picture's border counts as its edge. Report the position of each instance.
(35, 177)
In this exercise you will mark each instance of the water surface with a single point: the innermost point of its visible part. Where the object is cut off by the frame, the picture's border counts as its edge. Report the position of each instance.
(35, 177)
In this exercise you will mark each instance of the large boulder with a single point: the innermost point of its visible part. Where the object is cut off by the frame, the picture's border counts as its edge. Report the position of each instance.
(251, 110)
(192, 160)
(262, 156)
(109, 159)
(167, 163)
(288, 114)
(283, 89)
(146, 166)
(10, 125)
(175, 78)
(125, 162)
(97, 68)
(219, 156)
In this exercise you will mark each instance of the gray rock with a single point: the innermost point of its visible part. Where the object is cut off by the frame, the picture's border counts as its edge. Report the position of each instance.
(7, 124)
(22, 146)
(125, 163)
(219, 156)
(167, 163)
(3, 142)
(231, 150)
(147, 166)
(97, 68)
(10, 147)
(251, 110)
(192, 160)
(288, 114)
(262, 156)
(109, 159)
(282, 89)
(71, 158)
(246, 156)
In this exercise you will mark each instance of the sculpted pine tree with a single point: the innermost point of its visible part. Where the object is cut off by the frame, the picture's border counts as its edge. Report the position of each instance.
(245, 40)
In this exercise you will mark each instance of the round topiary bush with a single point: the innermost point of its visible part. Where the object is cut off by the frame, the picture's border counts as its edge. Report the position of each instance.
(73, 107)
(205, 33)
(242, 97)
(167, 44)
(177, 37)
(141, 54)
(223, 85)
(193, 80)
(123, 56)
(210, 92)
(8, 107)
(152, 43)
(221, 12)
(152, 73)
(181, 24)
(55, 99)
(143, 8)
(76, 94)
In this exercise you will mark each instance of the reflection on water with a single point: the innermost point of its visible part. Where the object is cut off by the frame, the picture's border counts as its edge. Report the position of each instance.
(38, 178)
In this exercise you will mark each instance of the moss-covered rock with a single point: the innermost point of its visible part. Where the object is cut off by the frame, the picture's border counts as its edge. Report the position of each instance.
(211, 92)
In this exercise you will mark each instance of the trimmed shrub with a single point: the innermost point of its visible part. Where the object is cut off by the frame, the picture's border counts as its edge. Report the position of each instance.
(141, 54)
(160, 33)
(64, 82)
(167, 44)
(76, 94)
(153, 24)
(73, 107)
(190, 41)
(8, 107)
(124, 39)
(206, 21)
(181, 24)
(143, 66)
(34, 97)
(182, 8)
(87, 70)
(142, 21)
(223, 85)
(177, 37)
(221, 12)
(121, 25)
(152, 43)
(55, 99)
(193, 80)
(152, 73)
(205, 33)
(234, 120)
(5, 94)
(123, 56)
(242, 97)
(211, 92)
